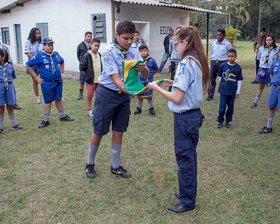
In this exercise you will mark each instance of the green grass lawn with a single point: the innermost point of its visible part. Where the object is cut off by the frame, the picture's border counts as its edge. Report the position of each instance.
(43, 178)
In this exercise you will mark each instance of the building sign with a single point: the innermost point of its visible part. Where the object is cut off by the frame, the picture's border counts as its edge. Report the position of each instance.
(165, 29)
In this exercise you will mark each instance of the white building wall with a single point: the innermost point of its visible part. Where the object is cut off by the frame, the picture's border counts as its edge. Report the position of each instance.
(67, 20)
(160, 19)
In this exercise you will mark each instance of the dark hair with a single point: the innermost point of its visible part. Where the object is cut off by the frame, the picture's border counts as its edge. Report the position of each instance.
(192, 38)
(143, 46)
(94, 40)
(232, 51)
(222, 31)
(263, 29)
(273, 39)
(88, 32)
(136, 31)
(32, 35)
(4, 54)
(125, 26)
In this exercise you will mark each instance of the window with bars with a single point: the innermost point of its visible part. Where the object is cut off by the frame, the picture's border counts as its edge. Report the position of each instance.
(43, 27)
(99, 26)
(5, 35)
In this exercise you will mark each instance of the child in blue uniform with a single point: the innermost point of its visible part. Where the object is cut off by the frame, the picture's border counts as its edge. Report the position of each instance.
(51, 68)
(191, 79)
(230, 76)
(33, 46)
(267, 54)
(273, 102)
(7, 91)
(153, 68)
(112, 101)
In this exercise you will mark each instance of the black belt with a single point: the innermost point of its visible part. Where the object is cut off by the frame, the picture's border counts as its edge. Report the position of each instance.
(278, 87)
(216, 61)
(58, 81)
(114, 91)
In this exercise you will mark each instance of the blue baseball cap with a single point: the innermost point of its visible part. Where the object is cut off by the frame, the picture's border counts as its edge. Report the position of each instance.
(48, 40)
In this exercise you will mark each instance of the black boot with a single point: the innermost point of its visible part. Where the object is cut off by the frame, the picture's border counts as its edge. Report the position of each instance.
(138, 111)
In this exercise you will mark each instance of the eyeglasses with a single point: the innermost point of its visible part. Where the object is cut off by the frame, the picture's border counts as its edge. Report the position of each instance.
(177, 43)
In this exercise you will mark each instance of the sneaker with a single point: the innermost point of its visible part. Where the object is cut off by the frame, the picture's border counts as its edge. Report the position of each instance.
(265, 130)
(152, 112)
(138, 111)
(209, 98)
(17, 127)
(80, 96)
(90, 171)
(17, 107)
(66, 118)
(121, 172)
(1, 131)
(44, 124)
(228, 124)
(180, 208)
(38, 100)
(219, 124)
(177, 195)
(254, 105)
(90, 113)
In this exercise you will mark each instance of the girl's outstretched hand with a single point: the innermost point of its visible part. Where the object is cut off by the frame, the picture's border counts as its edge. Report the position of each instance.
(153, 85)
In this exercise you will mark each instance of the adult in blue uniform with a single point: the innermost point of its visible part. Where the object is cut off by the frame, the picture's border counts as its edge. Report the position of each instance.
(32, 47)
(112, 101)
(218, 53)
(51, 68)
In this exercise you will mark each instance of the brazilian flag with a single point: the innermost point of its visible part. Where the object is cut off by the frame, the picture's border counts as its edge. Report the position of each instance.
(132, 83)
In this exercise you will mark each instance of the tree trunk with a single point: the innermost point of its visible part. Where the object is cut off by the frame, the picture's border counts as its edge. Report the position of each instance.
(260, 14)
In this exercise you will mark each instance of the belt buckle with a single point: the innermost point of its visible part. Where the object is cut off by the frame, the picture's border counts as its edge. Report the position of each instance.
(119, 92)
(217, 61)
(278, 87)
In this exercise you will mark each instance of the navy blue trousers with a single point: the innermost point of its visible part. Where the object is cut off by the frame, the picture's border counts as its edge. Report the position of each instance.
(226, 101)
(213, 76)
(186, 135)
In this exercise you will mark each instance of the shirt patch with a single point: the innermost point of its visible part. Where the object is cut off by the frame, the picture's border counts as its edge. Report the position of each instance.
(46, 61)
(132, 55)
(106, 54)
(47, 66)
(111, 69)
(118, 58)
(181, 67)
(106, 59)
(176, 80)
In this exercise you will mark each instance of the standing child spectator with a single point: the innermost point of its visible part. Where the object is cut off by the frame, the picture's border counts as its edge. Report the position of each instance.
(7, 91)
(153, 68)
(267, 54)
(51, 70)
(32, 47)
(191, 79)
(273, 102)
(112, 101)
(230, 76)
(91, 67)
(137, 40)
(82, 48)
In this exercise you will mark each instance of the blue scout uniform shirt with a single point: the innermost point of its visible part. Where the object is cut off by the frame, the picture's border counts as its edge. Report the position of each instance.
(275, 71)
(262, 54)
(219, 50)
(33, 48)
(10, 72)
(112, 59)
(152, 66)
(188, 78)
(230, 75)
(45, 66)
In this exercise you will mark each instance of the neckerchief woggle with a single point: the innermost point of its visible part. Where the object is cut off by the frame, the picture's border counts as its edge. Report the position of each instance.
(52, 63)
(124, 51)
(5, 75)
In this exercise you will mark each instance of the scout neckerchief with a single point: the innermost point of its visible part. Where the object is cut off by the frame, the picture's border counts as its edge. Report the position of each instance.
(124, 51)
(192, 56)
(146, 60)
(267, 56)
(36, 45)
(5, 76)
(52, 63)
